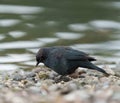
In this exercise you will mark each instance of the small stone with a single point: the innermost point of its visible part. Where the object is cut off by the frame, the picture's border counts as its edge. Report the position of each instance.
(109, 70)
(65, 91)
(62, 82)
(24, 81)
(116, 96)
(83, 83)
(81, 76)
(62, 78)
(18, 77)
(42, 75)
(31, 74)
(20, 84)
(52, 75)
(35, 89)
(104, 79)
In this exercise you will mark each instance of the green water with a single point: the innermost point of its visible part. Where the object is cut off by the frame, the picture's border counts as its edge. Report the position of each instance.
(92, 26)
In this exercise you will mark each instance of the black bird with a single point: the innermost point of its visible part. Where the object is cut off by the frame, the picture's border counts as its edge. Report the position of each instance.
(65, 60)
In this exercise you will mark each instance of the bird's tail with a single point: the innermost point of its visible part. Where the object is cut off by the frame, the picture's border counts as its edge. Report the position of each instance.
(92, 66)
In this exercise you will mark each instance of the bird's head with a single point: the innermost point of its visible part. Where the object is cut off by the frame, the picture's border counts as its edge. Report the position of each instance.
(41, 56)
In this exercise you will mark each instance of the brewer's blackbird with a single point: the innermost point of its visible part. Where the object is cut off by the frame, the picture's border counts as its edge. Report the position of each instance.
(65, 60)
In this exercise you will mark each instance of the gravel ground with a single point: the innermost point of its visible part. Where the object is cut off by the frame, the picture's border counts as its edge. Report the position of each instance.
(44, 86)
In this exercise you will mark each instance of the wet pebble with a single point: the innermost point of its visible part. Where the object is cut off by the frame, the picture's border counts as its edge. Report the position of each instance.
(43, 86)
(81, 76)
(42, 75)
(34, 89)
(62, 78)
(31, 74)
(18, 77)
(53, 75)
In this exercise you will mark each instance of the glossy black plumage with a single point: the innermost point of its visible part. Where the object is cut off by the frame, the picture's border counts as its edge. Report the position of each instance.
(65, 60)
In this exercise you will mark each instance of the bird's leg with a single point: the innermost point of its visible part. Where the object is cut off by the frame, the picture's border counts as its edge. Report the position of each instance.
(74, 74)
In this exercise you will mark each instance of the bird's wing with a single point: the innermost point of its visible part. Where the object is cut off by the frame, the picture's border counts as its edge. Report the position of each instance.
(72, 54)
(57, 62)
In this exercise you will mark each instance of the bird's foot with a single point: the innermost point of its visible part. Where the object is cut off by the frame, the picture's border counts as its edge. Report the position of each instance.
(74, 75)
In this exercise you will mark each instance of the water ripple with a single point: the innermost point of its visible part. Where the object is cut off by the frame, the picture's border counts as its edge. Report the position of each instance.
(15, 58)
(48, 40)
(78, 27)
(13, 9)
(2, 36)
(17, 34)
(20, 44)
(8, 67)
(110, 45)
(105, 24)
(68, 35)
(8, 22)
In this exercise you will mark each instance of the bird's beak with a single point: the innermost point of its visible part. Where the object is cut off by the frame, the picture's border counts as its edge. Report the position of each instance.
(37, 64)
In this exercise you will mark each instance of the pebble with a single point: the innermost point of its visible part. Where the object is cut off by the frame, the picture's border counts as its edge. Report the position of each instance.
(31, 74)
(44, 86)
(18, 77)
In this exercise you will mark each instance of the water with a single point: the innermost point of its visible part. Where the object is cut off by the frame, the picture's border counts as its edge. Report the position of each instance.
(90, 26)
